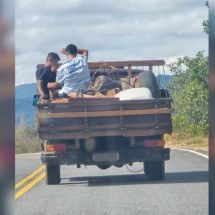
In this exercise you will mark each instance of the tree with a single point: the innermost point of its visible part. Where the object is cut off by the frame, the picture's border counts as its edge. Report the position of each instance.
(189, 90)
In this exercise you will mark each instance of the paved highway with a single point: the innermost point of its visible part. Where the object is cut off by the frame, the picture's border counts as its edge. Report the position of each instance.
(114, 191)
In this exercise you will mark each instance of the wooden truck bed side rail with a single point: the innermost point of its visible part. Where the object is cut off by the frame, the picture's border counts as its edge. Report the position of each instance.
(80, 120)
(127, 64)
(122, 64)
(104, 113)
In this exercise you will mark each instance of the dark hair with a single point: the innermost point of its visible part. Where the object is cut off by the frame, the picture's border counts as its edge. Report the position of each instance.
(72, 49)
(53, 56)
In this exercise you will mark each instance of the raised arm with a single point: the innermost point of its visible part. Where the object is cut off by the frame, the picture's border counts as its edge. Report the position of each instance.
(83, 52)
(63, 51)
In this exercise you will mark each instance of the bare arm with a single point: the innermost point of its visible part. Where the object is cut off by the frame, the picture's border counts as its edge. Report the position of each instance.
(40, 89)
(84, 52)
(52, 85)
(63, 51)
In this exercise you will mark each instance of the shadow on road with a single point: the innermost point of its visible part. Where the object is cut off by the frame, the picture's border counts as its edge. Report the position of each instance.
(176, 177)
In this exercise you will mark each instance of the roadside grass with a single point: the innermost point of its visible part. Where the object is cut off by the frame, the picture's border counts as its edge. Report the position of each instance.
(26, 139)
(187, 141)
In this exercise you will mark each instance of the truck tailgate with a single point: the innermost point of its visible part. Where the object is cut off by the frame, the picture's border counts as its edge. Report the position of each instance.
(82, 118)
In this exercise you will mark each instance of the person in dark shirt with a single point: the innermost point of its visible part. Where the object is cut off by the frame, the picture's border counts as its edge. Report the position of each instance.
(46, 74)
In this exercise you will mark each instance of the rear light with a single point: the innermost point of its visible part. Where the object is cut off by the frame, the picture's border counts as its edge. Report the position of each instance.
(57, 147)
(154, 143)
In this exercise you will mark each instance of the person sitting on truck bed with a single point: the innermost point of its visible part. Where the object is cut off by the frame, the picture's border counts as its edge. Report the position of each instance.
(74, 74)
(46, 74)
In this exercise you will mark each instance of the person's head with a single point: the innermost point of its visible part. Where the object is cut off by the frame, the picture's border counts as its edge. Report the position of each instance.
(52, 59)
(72, 49)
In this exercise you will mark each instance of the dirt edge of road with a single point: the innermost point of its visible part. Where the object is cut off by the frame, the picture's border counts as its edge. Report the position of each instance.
(196, 143)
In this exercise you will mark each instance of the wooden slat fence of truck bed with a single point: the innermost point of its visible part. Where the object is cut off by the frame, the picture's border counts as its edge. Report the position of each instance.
(79, 120)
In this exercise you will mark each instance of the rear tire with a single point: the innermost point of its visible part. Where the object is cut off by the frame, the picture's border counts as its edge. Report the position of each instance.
(52, 174)
(147, 79)
(155, 170)
(103, 166)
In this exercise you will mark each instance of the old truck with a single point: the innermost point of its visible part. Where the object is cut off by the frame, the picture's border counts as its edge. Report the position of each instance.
(105, 131)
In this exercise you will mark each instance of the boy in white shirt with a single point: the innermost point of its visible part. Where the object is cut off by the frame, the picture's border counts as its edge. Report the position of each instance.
(74, 74)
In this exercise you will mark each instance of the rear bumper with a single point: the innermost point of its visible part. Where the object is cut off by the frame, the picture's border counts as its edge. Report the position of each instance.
(86, 158)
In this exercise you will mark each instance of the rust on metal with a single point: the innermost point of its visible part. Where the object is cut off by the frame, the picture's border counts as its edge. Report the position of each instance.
(122, 64)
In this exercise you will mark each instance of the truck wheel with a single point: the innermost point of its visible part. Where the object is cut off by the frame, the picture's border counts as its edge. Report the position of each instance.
(52, 174)
(103, 166)
(147, 79)
(155, 170)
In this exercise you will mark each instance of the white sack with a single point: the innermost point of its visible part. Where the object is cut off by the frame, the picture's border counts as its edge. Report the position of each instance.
(134, 94)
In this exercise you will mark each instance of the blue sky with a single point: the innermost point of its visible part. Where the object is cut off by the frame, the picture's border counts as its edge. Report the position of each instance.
(110, 30)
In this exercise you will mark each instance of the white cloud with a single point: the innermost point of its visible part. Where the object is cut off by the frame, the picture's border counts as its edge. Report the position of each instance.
(111, 30)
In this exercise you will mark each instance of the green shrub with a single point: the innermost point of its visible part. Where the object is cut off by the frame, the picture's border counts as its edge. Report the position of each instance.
(189, 90)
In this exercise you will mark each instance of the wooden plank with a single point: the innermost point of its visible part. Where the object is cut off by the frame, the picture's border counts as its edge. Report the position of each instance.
(147, 118)
(82, 127)
(102, 127)
(61, 122)
(104, 103)
(94, 108)
(83, 99)
(104, 113)
(118, 64)
(121, 64)
(141, 125)
(129, 70)
(83, 135)
(81, 102)
(109, 107)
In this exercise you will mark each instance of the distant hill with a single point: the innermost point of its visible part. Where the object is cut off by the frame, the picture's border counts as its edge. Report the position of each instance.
(25, 111)
(26, 91)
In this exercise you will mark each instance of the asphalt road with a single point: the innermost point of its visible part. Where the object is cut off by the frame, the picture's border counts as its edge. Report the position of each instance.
(117, 191)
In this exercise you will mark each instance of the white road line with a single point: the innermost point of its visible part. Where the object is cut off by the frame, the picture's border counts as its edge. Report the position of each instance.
(188, 150)
(36, 153)
(28, 155)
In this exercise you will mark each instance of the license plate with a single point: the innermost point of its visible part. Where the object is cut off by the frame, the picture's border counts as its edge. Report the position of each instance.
(106, 157)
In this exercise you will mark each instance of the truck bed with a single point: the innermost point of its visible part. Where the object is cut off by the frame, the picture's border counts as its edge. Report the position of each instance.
(91, 117)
